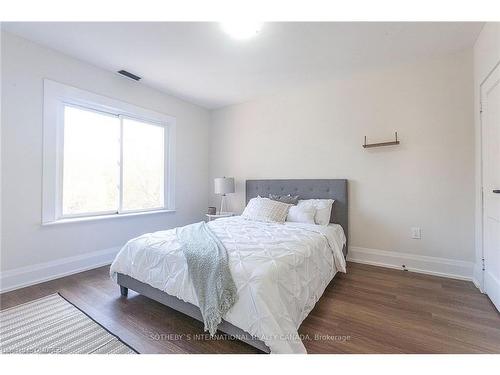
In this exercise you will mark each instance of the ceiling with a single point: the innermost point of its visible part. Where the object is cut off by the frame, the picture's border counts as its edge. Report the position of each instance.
(198, 62)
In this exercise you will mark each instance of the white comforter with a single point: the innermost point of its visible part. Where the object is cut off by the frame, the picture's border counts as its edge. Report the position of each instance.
(280, 270)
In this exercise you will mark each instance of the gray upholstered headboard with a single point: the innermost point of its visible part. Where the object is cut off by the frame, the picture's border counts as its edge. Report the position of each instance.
(307, 189)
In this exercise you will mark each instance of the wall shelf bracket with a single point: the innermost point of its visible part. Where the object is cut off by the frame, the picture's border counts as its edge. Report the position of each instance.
(391, 143)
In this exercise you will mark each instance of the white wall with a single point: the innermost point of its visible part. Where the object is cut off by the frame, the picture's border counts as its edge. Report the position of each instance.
(313, 131)
(25, 243)
(486, 57)
(316, 131)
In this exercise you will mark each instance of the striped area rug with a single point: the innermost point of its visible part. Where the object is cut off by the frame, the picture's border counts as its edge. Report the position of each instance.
(53, 325)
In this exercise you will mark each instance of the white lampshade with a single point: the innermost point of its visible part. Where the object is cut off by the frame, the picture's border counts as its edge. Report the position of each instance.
(224, 185)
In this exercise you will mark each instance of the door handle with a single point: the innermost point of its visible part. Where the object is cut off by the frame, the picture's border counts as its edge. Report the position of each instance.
(496, 191)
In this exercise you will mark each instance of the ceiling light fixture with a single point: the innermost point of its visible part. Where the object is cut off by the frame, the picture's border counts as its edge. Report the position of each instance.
(241, 30)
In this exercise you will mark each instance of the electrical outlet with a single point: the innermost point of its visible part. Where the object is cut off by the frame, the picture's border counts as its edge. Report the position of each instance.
(416, 233)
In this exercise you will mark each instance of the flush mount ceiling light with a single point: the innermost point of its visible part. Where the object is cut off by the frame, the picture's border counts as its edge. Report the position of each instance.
(241, 30)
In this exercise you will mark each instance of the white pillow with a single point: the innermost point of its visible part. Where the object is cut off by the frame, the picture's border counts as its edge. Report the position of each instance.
(323, 209)
(301, 214)
(265, 209)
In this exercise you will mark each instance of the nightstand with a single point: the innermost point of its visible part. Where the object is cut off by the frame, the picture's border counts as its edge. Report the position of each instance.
(219, 215)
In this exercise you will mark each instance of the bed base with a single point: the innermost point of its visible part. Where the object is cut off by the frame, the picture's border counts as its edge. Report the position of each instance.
(127, 282)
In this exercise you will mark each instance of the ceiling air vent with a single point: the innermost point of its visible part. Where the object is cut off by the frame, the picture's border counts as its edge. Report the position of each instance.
(129, 75)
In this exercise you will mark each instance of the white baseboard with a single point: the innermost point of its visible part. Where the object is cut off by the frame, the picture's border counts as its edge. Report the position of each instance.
(492, 288)
(477, 276)
(38, 273)
(25, 276)
(455, 269)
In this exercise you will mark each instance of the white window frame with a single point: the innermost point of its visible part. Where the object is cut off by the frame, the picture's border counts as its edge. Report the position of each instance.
(56, 97)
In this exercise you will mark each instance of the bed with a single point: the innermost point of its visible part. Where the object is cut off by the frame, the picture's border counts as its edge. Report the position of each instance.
(280, 270)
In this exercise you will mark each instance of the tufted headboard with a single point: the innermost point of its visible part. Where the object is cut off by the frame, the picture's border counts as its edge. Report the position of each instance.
(307, 189)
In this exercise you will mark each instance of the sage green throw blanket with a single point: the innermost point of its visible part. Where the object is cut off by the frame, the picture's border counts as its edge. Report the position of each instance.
(208, 268)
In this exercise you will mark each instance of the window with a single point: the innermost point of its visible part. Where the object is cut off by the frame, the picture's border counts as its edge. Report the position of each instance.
(103, 158)
(111, 164)
(143, 160)
(91, 159)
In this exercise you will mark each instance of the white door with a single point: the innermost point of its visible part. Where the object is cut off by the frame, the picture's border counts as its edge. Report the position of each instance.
(490, 122)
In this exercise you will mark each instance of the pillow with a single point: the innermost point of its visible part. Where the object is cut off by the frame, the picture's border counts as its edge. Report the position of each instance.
(301, 214)
(265, 209)
(323, 209)
(290, 199)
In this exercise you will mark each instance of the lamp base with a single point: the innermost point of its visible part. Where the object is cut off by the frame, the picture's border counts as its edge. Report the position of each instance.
(222, 199)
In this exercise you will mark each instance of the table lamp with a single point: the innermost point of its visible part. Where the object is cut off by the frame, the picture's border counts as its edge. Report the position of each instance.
(223, 186)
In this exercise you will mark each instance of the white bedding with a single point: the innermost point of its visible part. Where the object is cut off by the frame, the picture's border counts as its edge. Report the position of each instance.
(280, 270)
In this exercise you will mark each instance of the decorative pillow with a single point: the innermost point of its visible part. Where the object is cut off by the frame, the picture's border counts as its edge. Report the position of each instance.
(323, 209)
(265, 209)
(289, 199)
(301, 214)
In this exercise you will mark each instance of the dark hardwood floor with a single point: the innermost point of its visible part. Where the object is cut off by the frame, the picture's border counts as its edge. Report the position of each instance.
(367, 310)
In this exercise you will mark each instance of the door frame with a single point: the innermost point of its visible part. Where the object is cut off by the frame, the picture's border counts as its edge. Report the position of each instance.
(481, 174)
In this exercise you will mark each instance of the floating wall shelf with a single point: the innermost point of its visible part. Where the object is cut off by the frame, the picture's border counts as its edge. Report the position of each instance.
(391, 143)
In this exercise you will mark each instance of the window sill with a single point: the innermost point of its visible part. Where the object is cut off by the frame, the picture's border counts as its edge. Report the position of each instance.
(105, 217)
